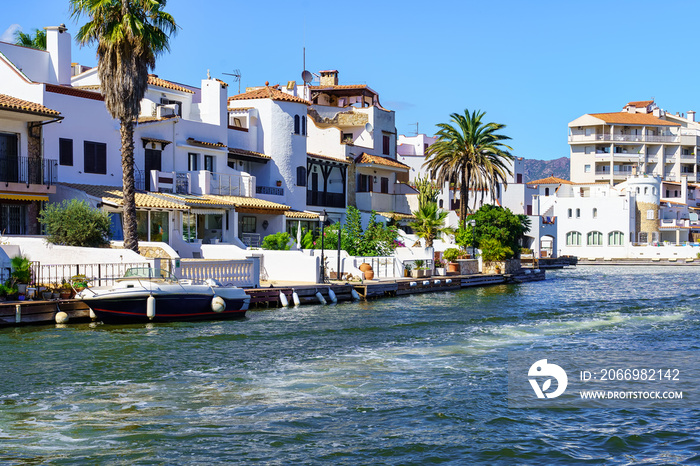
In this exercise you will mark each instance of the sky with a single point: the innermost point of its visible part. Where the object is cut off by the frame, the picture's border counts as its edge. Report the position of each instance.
(533, 66)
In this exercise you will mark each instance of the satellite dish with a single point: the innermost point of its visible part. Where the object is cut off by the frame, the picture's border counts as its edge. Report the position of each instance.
(369, 127)
(307, 77)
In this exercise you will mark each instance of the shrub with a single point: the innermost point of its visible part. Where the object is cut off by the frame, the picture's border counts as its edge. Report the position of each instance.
(278, 241)
(451, 254)
(74, 223)
(492, 250)
(21, 270)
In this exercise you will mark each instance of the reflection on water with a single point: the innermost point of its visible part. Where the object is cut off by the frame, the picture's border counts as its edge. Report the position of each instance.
(415, 379)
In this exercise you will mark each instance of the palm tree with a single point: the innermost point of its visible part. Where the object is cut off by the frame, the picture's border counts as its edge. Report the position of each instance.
(429, 223)
(130, 34)
(469, 153)
(36, 41)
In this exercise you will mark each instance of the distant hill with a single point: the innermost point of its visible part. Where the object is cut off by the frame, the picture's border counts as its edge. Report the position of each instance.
(538, 169)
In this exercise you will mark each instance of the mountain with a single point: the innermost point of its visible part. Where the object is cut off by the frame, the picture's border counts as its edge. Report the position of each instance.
(538, 169)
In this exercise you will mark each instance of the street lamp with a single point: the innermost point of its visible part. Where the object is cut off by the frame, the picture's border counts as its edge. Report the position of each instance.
(322, 217)
(472, 223)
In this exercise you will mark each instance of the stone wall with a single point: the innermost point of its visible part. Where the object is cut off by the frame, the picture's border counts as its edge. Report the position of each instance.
(468, 266)
(642, 224)
(507, 266)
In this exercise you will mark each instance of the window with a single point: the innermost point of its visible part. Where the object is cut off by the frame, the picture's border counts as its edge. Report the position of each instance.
(346, 138)
(385, 185)
(296, 124)
(519, 178)
(364, 183)
(587, 168)
(247, 225)
(573, 238)
(301, 176)
(546, 191)
(95, 157)
(303, 125)
(668, 193)
(65, 152)
(209, 163)
(616, 238)
(650, 214)
(595, 212)
(594, 238)
(569, 213)
(578, 213)
(386, 149)
(192, 162)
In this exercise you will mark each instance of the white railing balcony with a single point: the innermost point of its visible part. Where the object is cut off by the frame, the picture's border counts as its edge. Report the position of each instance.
(203, 182)
(225, 184)
(632, 138)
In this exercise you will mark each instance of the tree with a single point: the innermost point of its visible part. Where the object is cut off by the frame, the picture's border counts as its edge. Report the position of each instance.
(74, 223)
(130, 34)
(497, 223)
(429, 223)
(427, 190)
(469, 153)
(36, 41)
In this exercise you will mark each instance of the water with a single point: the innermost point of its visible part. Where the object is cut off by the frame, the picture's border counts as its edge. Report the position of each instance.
(411, 380)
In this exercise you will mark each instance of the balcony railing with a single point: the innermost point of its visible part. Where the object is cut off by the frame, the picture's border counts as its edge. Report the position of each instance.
(624, 138)
(29, 170)
(323, 199)
(269, 190)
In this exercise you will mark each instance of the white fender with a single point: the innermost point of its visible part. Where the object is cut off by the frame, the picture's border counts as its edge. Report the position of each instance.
(412, 284)
(61, 318)
(151, 307)
(437, 282)
(283, 299)
(426, 282)
(320, 297)
(295, 298)
(355, 295)
(449, 280)
(18, 313)
(331, 294)
(218, 304)
(93, 316)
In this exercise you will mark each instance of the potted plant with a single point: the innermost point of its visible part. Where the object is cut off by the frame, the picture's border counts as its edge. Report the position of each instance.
(279, 183)
(21, 273)
(418, 271)
(407, 269)
(451, 255)
(79, 282)
(439, 268)
(46, 292)
(66, 292)
(4, 289)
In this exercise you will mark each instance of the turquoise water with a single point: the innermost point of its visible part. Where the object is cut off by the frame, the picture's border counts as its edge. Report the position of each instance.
(411, 380)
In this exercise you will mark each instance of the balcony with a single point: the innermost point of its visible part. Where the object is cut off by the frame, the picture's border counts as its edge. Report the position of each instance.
(22, 169)
(633, 138)
(323, 199)
(203, 182)
(273, 191)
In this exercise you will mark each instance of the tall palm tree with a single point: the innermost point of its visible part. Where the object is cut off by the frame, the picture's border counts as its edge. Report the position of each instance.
(429, 223)
(36, 41)
(469, 153)
(130, 34)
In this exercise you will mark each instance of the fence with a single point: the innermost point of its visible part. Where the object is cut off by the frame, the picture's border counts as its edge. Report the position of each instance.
(383, 266)
(99, 274)
(242, 272)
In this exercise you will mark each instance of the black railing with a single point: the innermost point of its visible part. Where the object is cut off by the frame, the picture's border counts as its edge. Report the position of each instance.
(269, 190)
(30, 170)
(322, 199)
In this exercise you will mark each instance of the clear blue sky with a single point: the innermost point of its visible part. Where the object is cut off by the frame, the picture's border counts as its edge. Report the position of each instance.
(533, 66)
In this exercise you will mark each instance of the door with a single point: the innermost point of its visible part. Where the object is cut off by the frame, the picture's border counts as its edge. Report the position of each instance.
(315, 195)
(9, 161)
(152, 162)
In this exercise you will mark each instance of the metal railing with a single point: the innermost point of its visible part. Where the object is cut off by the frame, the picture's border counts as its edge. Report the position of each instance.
(252, 240)
(99, 274)
(623, 138)
(324, 199)
(224, 184)
(383, 266)
(30, 170)
(269, 190)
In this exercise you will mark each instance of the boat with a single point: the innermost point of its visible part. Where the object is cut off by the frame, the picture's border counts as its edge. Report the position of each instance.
(146, 294)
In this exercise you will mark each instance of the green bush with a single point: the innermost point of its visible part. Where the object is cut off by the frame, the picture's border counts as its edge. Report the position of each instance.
(21, 270)
(492, 250)
(278, 241)
(451, 254)
(74, 223)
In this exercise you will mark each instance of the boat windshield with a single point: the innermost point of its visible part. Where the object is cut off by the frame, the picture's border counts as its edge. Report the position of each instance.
(148, 273)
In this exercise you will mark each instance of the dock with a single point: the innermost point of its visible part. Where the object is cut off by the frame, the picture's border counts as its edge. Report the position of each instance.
(17, 313)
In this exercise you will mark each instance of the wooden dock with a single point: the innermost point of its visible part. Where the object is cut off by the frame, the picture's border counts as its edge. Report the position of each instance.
(44, 312)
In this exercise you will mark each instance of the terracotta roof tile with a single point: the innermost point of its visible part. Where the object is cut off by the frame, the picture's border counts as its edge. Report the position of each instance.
(113, 195)
(75, 92)
(149, 119)
(269, 92)
(638, 119)
(640, 103)
(205, 144)
(379, 160)
(24, 106)
(550, 180)
(347, 161)
(193, 200)
(236, 151)
(340, 86)
(154, 80)
(297, 214)
(222, 83)
(397, 215)
(250, 202)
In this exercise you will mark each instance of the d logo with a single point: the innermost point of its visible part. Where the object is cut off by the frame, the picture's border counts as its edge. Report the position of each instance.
(542, 369)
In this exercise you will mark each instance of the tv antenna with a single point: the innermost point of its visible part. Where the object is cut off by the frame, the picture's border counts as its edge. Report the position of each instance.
(236, 78)
(416, 123)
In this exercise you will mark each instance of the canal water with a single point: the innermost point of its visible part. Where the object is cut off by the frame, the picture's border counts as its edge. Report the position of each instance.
(413, 380)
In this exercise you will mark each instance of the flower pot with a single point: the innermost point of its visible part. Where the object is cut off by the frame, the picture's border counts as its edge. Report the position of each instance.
(365, 267)
(369, 274)
(406, 273)
(279, 183)
(22, 288)
(46, 295)
(415, 273)
(440, 271)
(55, 295)
(453, 267)
(65, 294)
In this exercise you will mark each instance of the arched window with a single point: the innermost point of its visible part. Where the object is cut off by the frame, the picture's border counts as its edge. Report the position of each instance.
(595, 212)
(296, 124)
(637, 189)
(616, 238)
(594, 238)
(440, 203)
(569, 213)
(646, 190)
(546, 191)
(301, 176)
(303, 126)
(578, 213)
(573, 238)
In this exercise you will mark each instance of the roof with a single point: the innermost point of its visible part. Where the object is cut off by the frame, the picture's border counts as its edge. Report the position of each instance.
(300, 215)
(269, 92)
(114, 195)
(150, 119)
(341, 86)
(550, 180)
(640, 103)
(397, 215)
(247, 154)
(205, 144)
(193, 200)
(328, 157)
(24, 106)
(626, 118)
(75, 92)
(154, 80)
(379, 160)
(249, 202)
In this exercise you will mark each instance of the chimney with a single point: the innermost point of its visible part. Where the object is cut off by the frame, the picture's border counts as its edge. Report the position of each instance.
(691, 115)
(59, 47)
(329, 78)
(657, 112)
(213, 109)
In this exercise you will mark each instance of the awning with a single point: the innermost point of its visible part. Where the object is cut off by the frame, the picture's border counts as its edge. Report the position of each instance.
(24, 197)
(208, 211)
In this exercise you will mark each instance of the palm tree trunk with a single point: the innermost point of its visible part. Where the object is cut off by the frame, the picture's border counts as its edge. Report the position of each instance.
(131, 240)
(464, 195)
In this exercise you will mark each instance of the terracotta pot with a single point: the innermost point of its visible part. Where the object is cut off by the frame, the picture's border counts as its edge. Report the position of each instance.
(369, 274)
(365, 267)
(452, 267)
(65, 294)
